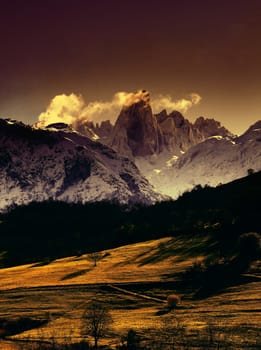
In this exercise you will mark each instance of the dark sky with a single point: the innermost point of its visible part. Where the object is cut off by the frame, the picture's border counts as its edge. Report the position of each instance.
(98, 47)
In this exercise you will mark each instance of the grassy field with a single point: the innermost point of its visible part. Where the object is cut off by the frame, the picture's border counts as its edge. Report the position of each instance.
(141, 262)
(58, 292)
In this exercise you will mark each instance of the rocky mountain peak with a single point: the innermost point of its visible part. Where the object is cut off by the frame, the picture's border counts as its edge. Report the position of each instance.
(161, 116)
(214, 160)
(136, 132)
(141, 97)
(210, 127)
(178, 119)
(178, 134)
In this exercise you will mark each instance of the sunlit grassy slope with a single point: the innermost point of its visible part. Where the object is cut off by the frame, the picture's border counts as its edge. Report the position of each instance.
(142, 262)
(62, 289)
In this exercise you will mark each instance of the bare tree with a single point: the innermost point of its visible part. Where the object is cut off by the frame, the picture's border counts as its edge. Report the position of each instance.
(95, 257)
(96, 321)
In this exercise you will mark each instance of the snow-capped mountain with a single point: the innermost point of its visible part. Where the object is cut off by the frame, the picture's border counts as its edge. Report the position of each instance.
(58, 163)
(139, 133)
(211, 162)
(175, 154)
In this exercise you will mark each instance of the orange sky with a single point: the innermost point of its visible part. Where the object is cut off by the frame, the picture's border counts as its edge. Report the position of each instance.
(97, 48)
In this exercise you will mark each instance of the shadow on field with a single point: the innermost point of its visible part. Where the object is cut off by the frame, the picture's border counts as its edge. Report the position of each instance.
(75, 274)
(181, 248)
(18, 325)
(162, 312)
(42, 263)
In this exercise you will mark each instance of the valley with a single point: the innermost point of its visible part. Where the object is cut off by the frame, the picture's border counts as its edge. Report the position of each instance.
(124, 217)
(130, 175)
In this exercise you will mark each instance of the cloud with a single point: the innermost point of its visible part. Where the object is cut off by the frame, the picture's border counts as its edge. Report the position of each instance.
(62, 108)
(98, 110)
(128, 98)
(102, 110)
(161, 102)
(71, 109)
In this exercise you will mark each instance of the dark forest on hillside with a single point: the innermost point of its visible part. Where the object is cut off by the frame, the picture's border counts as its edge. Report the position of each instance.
(48, 230)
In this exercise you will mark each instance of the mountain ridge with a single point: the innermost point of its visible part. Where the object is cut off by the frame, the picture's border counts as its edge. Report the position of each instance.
(175, 155)
(41, 164)
(138, 132)
(166, 149)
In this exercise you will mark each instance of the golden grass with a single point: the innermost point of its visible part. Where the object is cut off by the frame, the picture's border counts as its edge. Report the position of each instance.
(123, 264)
(237, 309)
(73, 281)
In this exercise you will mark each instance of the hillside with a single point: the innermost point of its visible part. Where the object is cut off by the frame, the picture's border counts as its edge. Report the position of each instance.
(213, 161)
(57, 293)
(58, 163)
(51, 230)
(140, 262)
(199, 262)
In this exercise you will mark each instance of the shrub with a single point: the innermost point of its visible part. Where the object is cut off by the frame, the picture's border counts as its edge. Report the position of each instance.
(173, 300)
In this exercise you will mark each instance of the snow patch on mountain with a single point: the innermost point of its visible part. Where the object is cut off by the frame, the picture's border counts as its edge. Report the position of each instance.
(212, 162)
(37, 165)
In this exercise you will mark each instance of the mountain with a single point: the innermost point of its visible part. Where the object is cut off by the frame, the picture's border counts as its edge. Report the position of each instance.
(136, 132)
(90, 164)
(102, 130)
(139, 133)
(174, 154)
(60, 164)
(211, 162)
(210, 127)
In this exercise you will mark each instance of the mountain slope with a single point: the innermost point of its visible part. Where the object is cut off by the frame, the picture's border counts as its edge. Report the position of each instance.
(37, 165)
(175, 154)
(216, 160)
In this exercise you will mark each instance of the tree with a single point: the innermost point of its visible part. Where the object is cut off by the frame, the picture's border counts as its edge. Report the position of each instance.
(250, 171)
(96, 321)
(94, 257)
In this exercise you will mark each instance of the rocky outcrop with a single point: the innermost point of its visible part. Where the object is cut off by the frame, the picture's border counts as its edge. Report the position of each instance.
(102, 130)
(139, 133)
(178, 133)
(136, 132)
(210, 127)
(213, 161)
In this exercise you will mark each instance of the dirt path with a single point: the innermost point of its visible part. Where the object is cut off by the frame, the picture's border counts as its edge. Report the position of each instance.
(143, 296)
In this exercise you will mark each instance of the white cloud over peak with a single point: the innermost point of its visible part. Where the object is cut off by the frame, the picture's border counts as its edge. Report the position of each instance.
(71, 109)
(161, 102)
